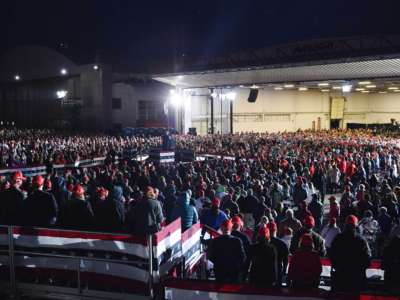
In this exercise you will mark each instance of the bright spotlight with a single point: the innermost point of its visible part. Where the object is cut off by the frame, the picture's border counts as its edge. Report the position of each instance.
(61, 94)
(63, 71)
(95, 67)
(17, 77)
(172, 92)
(176, 100)
(347, 88)
(214, 95)
(231, 96)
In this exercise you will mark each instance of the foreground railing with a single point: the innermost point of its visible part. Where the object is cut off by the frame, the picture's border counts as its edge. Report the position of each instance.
(89, 264)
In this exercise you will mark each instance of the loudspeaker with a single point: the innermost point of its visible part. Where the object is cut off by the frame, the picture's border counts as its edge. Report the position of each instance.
(192, 131)
(253, 95)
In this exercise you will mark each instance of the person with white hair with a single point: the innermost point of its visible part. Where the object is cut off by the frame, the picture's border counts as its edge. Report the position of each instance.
(289, 222)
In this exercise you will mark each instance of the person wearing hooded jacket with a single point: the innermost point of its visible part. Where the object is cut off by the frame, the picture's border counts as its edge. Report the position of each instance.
(185, 211)
(40, 207)
(109, 212)
(78, 213)
(318, 241)
(350, 257)
(264, 260)
(227, 254)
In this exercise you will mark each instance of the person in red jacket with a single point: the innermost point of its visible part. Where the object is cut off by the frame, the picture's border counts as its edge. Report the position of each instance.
(305, 266)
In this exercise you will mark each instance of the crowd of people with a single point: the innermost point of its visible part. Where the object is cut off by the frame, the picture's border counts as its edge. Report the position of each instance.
(304, 194)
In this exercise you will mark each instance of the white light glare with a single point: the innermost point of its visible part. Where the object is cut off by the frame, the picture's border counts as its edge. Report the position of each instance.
(231, 96)
(17, 77)
(61, 94)
(64, 72)
(95, 67)
(347, 88)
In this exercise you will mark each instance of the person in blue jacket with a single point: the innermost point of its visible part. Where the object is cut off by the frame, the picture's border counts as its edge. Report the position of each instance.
(213, 217)
(185, 211)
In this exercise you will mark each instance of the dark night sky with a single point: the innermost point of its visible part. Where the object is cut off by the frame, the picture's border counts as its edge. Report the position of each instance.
(138, 32)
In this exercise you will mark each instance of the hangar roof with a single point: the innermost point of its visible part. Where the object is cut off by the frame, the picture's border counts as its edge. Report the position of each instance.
(381, 68)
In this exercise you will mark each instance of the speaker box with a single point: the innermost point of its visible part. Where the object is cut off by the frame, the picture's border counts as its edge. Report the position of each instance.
(192, 131)
(253, 95)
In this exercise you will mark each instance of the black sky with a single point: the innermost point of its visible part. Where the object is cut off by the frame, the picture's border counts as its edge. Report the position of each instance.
(139, 32)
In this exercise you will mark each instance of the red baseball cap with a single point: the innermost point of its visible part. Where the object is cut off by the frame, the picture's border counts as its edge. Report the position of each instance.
(48, 184)
(215, 202)
(263, 232)
(38, 180)
(352, 220)
(78, 190)
(237, 220)
(309, 222)
(18, 176)
(227, 224)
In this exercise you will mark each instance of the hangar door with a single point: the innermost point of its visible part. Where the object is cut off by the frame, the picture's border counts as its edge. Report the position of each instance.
(337, 112)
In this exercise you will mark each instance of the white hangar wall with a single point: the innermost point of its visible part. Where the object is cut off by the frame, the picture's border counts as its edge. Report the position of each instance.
(292, 110)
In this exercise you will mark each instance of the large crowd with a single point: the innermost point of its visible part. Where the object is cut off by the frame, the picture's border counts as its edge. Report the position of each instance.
(305, 194)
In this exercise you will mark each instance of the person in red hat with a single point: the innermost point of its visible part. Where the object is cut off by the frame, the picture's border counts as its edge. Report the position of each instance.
(107, 215)
(78, 213)
(308, 226)
(237, 228)
(282, 251)
(350, 257)
(305, 266)
(263, 259)
(12, 201)
(227, 254)
(40, 207)
(213, 217)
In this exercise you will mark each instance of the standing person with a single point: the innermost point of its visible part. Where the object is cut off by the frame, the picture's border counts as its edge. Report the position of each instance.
(350, 256)
(237, 227)
(391, 264)
(263, 260)
(316, 208)
(146, 217)
(299, 192)
(318, 241)
(227, 264)
(282, 251)
(289, 222)
(108, 213)
(185, 211)
(78, 213)
(213, 217)
(40, 207)
(329, 232)
(305, 267)
(12, 202)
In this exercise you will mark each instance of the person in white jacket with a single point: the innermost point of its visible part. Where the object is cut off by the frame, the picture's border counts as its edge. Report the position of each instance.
(329, 232)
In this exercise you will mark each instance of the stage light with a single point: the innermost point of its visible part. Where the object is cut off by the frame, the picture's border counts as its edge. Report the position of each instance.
(347, 88)
(172, 92)
(393, 88)
(323, 84)
(325, 90)
(364, 82)
(372, 86)
(336, 87)
(382, 92)
(95, 67)
(288, 86)
(61, 94)
(303, 89)
(176, 100)
(63, 71)
(278, 88)
(360, 89)
(397, 91)
(365, 92)
(17, 77)
(254, 86)
(214, 95)
(231, 96)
